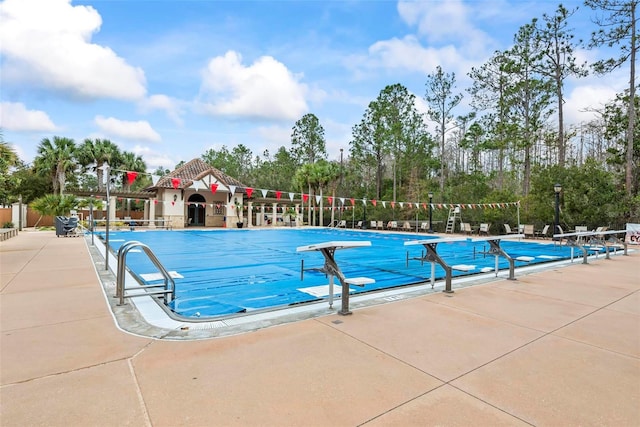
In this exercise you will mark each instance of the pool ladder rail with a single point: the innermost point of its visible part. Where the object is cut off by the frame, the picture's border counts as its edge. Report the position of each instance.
(168, 286)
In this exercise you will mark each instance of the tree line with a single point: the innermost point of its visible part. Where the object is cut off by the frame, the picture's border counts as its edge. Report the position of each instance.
(513, 145)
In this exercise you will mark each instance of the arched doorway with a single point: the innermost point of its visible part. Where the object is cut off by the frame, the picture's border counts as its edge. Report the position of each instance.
(196, 210)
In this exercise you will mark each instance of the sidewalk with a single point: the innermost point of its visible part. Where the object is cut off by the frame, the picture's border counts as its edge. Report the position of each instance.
(555, 348)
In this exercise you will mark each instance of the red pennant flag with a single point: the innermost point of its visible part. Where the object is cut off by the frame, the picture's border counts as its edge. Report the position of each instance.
(214, 188)
(330, 199)
(278, 194)
(119, 199)
(175, 182)
(131, 176)
(155, 201)
(424, 206)
(249, 191)
(353, 201)
(173, 203)
(305, 197)
(137, 200)
(393, 205)
(374, 202)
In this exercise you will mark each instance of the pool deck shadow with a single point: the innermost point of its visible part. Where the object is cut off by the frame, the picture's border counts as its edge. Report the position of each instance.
(559, 347)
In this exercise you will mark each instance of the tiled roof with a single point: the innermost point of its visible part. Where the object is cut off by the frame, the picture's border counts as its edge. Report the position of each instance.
(194, 170)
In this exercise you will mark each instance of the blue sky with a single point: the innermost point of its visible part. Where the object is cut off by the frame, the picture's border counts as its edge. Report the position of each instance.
(170, 79)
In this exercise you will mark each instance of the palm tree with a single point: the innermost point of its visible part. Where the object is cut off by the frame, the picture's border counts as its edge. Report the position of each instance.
(54, 205)
(55, 159)
(97, 152)
(132, 163)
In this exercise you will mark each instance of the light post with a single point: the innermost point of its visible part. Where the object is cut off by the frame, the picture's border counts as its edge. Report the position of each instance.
(557, 188)
(430, 212)
(105, 167)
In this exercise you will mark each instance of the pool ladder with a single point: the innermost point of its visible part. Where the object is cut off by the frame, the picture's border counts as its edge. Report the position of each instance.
(168, 286)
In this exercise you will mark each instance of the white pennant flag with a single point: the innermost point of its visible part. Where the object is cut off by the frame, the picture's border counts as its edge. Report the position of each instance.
(291, 196)
(384, 204)
(342, 200)
(401, 204)
(318, 199)
(417, 206)
(155, 179)
(264, 193)
(364, 202)
(232, 189)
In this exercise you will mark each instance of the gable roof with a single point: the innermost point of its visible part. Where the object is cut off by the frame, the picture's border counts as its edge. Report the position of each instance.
(195, 170)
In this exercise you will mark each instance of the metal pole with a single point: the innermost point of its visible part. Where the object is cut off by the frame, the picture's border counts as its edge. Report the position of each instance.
(430, 213)
(91, 218)
(557, 188)
(107, 170)
(20, 212)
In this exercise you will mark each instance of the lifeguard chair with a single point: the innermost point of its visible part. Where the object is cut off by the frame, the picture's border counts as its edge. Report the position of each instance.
(454, 215)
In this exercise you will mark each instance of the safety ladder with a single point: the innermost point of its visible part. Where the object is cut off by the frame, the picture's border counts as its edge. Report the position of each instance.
(168, 286)
(454, 213)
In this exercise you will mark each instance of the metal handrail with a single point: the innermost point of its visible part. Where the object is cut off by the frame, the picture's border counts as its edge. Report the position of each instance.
(169, 286)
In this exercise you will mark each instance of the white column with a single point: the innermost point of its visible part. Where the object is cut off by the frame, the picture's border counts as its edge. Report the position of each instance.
(274, 215)
(152, 213)
(249, 214)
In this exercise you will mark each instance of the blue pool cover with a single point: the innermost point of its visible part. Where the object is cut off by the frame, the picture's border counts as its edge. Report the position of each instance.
(223, 272)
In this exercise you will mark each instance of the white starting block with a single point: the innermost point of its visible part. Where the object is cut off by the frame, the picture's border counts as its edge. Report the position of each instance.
(359, 281)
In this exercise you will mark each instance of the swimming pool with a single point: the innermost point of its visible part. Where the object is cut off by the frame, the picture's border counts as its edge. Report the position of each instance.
(228, 272)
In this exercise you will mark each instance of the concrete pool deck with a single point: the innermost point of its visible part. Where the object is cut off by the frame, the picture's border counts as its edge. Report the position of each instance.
(557, 347)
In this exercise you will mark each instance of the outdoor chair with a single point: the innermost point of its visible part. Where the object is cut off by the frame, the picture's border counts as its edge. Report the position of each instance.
(543, 234)
(359, 224)
(484, 229)
(465, 228)
(424, 226)
(507, 229)
(342, 224)
(528, 231)
(406, 226)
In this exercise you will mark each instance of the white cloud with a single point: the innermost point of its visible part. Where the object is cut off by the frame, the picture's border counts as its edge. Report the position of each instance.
(153, 159)
(446, 22)
(48, 43)
(140, 130)
(172, 107)
(14, 116)
(583, 100)
(265, 89)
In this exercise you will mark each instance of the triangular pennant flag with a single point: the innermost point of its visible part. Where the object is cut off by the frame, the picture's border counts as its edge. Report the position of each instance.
(318, 198)
(175, 182)
(155, 201)
(232, 189)
(305, 197)
(417, 206)
(401, 205)
(264, 193)
(364, 202)
(374, 202)
(173, 203)
(353, 201)
(342, 200)
(155, 179)
(214, 188)
(249, 191)
(384, 204)
(291, 195)
(131, 176)
(393, 205)
(424, 206)
(278, 194)
(330, 200)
